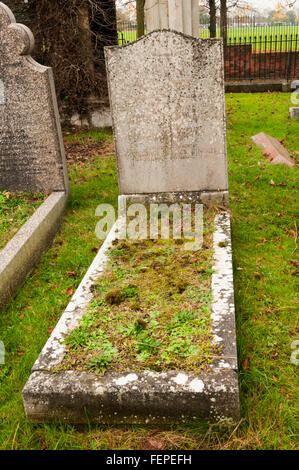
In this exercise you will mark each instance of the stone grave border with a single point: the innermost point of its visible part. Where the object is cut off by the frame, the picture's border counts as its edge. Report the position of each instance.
(23, 251)
(147, 397)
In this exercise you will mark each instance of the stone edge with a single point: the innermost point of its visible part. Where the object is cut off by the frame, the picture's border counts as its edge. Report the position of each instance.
(148, 397)
(208, 198)
(23, 251)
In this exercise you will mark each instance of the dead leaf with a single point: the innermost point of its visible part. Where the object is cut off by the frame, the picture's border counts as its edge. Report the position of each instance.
(72, 273)
(7, 195)
(246, 364)
(295, 262)
(262, 243)
(50, 329)
(293, 233)
(272, 183)
(70, 291)
(152, 444)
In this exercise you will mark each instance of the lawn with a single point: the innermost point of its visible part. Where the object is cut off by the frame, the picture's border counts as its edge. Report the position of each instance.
(264, 231)
(274, 38)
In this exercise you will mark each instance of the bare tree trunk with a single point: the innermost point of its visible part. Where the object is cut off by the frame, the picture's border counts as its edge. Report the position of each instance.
(86, 38)
(213, 25)
(223, 21)
(140, 17)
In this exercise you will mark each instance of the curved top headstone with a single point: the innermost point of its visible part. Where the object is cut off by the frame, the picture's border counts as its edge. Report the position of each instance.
(32, 154)
(167, 100)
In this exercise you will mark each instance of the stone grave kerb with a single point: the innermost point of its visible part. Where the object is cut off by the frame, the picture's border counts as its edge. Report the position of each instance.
(32, 156)
(168, 109)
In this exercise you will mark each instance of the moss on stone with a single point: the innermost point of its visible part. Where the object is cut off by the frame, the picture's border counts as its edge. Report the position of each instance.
(151, 309)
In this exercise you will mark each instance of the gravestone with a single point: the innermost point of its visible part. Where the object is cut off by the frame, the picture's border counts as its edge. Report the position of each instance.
(31, 148)
(168, 109)
(273, 149)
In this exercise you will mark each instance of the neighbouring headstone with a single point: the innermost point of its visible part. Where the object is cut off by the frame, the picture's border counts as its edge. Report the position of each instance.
(178, 15)
(168, 108)
(31, 147)
(273, 149)
(294, 113)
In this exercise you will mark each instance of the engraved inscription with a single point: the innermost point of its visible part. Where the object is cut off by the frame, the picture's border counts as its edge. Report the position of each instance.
(167, 100)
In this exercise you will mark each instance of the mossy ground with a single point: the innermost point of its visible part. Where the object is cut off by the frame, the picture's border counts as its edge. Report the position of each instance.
(15, 210)
(151, 309)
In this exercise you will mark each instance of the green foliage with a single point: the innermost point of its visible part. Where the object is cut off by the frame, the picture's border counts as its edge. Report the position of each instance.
(15, 210)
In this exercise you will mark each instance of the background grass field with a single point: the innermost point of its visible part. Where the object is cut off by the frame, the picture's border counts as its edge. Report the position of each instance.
(263, 37)
(264, 207)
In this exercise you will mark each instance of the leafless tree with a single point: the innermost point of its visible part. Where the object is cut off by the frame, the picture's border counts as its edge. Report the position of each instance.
(213, 22)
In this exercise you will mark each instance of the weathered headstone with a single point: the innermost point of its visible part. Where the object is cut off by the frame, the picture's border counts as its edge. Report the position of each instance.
(168, 108)
(31, 148)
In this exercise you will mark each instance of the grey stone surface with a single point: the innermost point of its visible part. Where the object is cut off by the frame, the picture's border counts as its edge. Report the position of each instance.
(294, 113)
(147, 397)
(210, 198)
(223, 304)
(139, 398)
(168, 110)
(23, 251)
(273, 149)
(31, 148)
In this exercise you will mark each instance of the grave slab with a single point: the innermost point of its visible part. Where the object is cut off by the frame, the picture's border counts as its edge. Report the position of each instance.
(273, 149)
(147, 397)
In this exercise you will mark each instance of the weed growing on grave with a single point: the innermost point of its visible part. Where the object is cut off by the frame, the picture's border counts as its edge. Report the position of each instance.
(151, 309)
(15, 210)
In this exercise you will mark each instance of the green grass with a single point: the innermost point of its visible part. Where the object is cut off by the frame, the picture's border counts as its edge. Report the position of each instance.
(261, 35)
(264, 240)
(15, 210)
